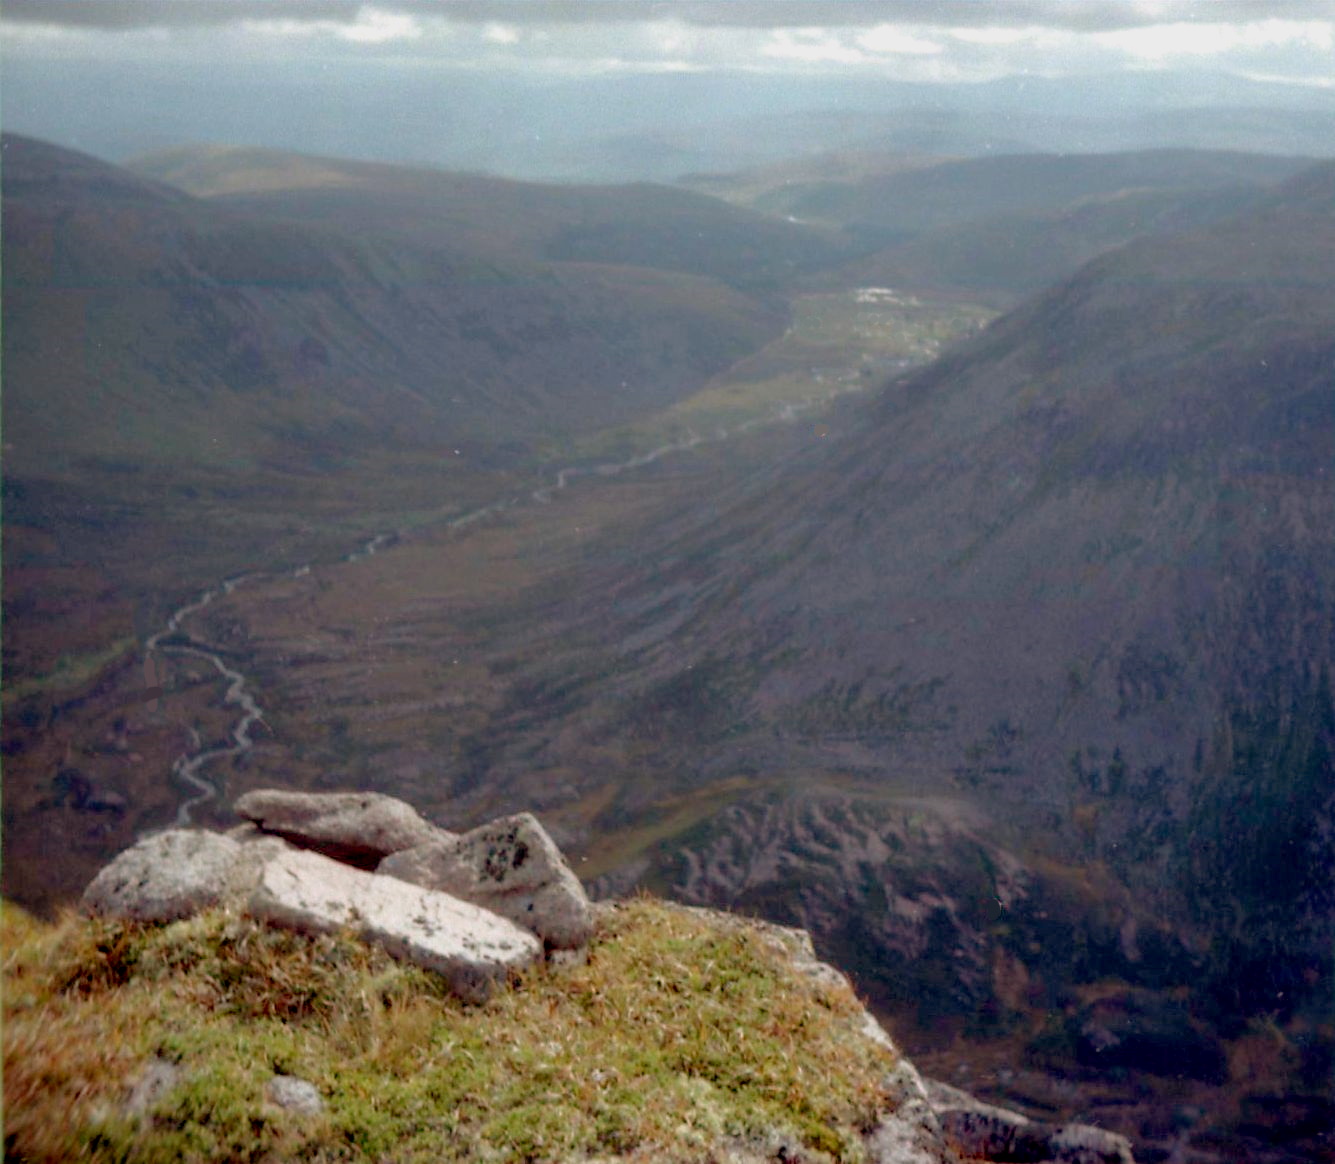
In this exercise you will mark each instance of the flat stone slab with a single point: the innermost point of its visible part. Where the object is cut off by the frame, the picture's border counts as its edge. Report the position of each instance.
(510, 866)
(171, 875)
(471, 948)
(360, 828)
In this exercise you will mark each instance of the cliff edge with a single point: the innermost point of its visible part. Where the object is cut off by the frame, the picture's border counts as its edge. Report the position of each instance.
(158, 1029)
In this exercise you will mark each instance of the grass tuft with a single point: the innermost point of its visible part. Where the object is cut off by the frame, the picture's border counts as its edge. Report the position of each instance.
(681, 1033)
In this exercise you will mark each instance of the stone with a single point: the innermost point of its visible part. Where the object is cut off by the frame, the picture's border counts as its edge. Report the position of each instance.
(1083, 1144)
(293, 1094)
(510, 866)
(469, 947)
(158, 1078)
(256, 845)
(983, 1131)
(360, 828)
(978, 1130)
(910, 1132)
(171, 875)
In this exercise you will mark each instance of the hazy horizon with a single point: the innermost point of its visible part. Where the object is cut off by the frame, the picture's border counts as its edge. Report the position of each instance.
(581, 91)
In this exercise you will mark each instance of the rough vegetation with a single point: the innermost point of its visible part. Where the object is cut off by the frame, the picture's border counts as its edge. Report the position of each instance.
(679, 1033)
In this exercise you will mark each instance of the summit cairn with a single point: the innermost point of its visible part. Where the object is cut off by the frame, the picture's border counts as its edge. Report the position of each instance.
(511, 867)
(357, 828)
(305, 861)
(469, 947)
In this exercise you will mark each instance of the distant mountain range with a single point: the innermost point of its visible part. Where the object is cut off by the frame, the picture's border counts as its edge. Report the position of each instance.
(658, 127)
(1000, 226)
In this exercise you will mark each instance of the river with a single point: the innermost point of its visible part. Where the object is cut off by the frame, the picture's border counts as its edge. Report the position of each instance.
(187, 769)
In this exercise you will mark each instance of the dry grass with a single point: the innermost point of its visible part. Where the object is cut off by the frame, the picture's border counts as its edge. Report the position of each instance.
(678, 1035)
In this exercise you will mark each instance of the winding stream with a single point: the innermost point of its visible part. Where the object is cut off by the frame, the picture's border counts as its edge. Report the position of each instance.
(187, 768)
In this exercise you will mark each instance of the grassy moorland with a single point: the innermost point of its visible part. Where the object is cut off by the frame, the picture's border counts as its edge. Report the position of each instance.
(679, 1036)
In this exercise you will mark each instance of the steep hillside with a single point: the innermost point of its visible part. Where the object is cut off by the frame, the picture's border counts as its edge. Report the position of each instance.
(903, 201)
(210, 336)
(639, 225)
(1009, 256)
(192, 392)
(1078, 574)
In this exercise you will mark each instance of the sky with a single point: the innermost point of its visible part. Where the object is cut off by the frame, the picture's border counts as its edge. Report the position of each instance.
(118, 76)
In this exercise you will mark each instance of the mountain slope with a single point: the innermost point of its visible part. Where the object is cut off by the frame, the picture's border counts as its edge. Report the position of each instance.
(210, 335)
(1078, 574)
(905, 201)
(637, 225)
(1001, 226)
(1013, 255)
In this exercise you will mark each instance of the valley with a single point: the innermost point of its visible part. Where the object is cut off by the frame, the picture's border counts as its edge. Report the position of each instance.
(978, 644)
(346, 684)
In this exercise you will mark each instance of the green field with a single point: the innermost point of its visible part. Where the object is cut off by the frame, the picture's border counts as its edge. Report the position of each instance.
(837, 342)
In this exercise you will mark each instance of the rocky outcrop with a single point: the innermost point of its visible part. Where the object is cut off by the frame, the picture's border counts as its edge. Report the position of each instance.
(359, 828)
(511, 867)
(982, 1131)
(277, 868)
(469, 947)
(912, 1133)
(171, 875)
(473, 909)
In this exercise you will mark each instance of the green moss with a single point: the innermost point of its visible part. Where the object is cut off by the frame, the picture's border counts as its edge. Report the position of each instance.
(681, 1031)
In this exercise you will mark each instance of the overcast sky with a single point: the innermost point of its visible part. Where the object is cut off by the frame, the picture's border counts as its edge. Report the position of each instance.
(106, 74)
(928, 40)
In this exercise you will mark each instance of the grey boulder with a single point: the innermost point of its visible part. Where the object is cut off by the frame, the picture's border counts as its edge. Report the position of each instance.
(469, 947)
(982, 1131)
(171, 875)
(511, 867)
(360, 828)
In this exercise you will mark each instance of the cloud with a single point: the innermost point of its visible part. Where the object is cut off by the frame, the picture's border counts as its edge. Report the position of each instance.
(137, 14)
(501, 33)
(1162, 41)
(372, 26)
(1074, 15)
(925, 41)
(887, 38)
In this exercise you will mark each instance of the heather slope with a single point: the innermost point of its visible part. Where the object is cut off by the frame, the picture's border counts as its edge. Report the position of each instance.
(639, 225)
(209, 335)
(1078, 573)
(910, 199)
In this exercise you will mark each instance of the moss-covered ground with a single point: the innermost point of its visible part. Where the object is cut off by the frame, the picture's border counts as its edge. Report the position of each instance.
(679, 1034)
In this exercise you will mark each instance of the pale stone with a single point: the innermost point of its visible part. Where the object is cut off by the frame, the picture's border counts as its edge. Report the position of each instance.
(257, 846)
(510, 866)
(360, 828)
(293, 1094)
(1083, 1144)
(170, 875)
(469, 947)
